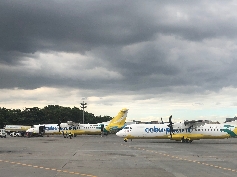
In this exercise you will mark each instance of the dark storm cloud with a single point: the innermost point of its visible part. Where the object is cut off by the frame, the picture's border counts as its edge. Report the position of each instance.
(132, 38)
(81, 25)
(76, 26)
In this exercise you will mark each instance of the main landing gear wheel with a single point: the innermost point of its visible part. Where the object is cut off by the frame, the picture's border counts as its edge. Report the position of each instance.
(186, 140)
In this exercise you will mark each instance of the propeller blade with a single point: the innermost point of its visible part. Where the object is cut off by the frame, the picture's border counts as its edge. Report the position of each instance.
(171, 131)
(59, 123)
(170, 121)
(171, 126)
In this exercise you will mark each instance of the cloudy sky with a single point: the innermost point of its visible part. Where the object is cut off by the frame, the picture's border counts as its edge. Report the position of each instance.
(156, 58)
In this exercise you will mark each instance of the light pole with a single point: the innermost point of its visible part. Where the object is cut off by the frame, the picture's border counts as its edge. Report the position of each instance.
(83, 106)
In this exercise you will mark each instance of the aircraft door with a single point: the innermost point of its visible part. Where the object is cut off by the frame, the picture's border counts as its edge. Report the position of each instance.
(41, 130)
(102, 130)
(102, 127)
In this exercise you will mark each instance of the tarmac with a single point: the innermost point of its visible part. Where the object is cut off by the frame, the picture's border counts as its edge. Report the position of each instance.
(110, 156)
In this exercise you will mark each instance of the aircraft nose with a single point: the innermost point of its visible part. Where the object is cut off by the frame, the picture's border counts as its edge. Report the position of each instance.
(119, 133)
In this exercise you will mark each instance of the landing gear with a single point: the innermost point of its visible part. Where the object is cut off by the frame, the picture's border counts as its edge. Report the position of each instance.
(186, 140)
(125, 140)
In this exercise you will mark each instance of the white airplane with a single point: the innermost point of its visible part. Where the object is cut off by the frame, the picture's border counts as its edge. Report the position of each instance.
(116, 124)
(186, 131)
(42, 129)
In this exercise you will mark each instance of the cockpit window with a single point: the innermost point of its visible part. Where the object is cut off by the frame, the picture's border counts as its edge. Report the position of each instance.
(126, 127)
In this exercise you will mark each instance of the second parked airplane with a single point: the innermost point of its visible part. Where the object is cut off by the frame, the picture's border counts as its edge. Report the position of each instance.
(186, 131)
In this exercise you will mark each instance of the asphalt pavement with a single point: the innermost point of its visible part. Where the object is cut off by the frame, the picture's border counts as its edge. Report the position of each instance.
(109, 156)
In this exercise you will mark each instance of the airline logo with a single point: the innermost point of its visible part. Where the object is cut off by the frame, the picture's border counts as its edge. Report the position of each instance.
(167, 130)
(51, 128)
(227, 129)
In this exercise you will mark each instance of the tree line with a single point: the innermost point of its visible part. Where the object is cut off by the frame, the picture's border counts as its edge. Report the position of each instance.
(47, 115)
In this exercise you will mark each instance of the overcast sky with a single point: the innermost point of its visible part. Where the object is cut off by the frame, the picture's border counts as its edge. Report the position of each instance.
(156, 58)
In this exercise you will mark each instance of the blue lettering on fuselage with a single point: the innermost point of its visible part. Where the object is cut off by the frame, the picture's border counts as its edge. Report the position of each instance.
(72, 128)
(51, 128)
(61, 128)
(69, 128)
(167, 130)
(156, 130)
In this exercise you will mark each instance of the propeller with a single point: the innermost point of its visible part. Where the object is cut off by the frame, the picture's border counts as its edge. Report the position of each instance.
(170, 125)
(59, 123)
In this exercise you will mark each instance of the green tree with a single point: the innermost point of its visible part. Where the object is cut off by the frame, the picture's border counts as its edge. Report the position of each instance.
(47, 115)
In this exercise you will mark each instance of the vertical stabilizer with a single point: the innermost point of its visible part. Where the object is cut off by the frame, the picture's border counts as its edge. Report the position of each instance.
(118, 121)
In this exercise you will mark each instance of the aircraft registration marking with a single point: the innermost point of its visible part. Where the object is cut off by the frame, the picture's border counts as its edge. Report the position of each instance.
(46, 168)
(194, 161)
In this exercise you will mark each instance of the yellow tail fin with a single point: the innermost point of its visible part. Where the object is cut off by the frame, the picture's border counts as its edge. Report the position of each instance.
(118, 121)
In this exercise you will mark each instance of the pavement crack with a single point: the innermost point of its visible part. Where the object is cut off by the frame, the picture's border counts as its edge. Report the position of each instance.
(64, 165)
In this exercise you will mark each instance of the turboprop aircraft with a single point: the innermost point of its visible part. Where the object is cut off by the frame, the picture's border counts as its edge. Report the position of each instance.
(42, 129)
(185, 132)
(116, 124)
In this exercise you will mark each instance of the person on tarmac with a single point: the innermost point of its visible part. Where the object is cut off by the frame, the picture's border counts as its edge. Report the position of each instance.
(70, 135)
